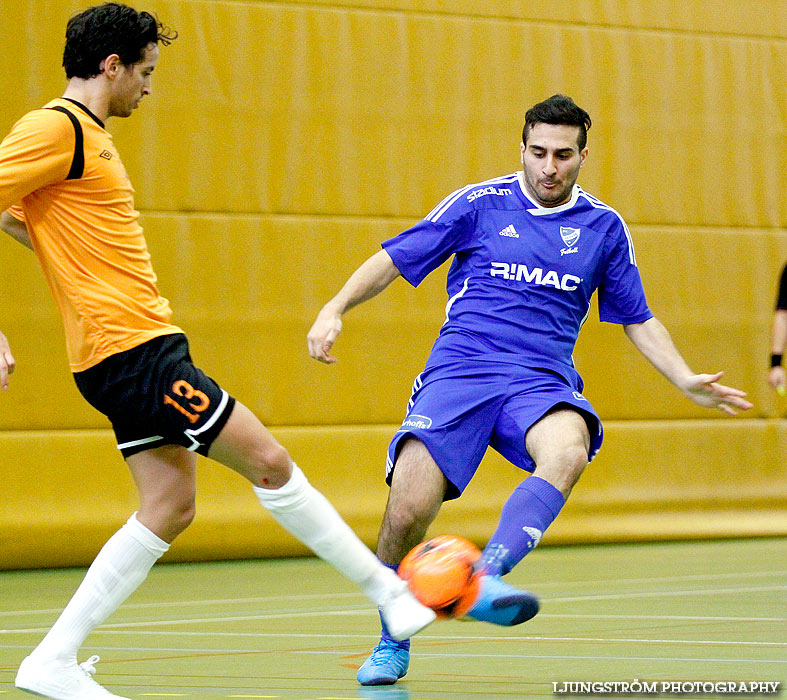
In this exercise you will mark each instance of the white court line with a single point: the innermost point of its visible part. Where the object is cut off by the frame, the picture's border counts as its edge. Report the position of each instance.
(475, 638)
(209, 602)
(566, 599)
(365, 611)
(360, 596)
(663, 594)
(438, 655)
(206, 620)
(578, 657)
(666, 579)
(698, 618)
(120, 627)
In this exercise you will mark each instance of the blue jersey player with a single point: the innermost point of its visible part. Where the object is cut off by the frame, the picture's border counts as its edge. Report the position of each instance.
(530, 249)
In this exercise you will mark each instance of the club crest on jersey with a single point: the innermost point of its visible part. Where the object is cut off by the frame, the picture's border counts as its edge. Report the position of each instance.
(569, 235)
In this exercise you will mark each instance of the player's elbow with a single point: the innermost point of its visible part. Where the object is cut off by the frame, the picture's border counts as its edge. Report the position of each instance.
(15, 228)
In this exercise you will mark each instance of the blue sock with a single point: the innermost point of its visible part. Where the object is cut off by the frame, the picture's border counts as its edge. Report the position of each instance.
(528, 512)
(385, 636)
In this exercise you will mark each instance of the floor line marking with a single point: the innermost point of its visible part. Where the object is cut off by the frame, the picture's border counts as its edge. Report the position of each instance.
(360, 596)
(635, 616)
(452, 638)
(663, 594)
(217, 601)
(452, 654)
(668, 579)
(369, 611)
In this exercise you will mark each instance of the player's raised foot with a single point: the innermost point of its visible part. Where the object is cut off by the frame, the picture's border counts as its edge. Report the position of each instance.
(386, 665)
(61, 680)
(403, 615)
(502, 604)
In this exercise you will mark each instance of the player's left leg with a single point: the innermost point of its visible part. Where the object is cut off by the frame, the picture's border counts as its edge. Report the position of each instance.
(165, 478)
(51, 670)
(246, 446)
(558, 444)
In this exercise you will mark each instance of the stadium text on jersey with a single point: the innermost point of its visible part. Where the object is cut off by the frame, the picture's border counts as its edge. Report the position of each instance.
(475, 194)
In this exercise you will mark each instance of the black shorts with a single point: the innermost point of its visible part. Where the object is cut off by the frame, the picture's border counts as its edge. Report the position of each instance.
(154, 395)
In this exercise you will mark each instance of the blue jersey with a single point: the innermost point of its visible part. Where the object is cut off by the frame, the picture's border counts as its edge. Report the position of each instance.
(523, 275)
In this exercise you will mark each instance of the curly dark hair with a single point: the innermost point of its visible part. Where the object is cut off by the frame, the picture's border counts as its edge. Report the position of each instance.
(560, 110)
(100, 31)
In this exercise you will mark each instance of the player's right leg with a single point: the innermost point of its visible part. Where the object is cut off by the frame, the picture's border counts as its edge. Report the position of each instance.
(417, 491)
(166, 480)
(451, 417)
(246, 446)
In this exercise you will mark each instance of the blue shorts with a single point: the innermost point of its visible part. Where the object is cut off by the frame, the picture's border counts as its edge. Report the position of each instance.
(459, 409)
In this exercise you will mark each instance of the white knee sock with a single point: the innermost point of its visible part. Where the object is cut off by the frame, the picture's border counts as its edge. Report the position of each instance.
(120, 567)
(305, 513)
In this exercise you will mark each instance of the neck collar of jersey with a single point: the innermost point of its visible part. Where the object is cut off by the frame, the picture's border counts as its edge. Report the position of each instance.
(539, 210)
(86, 111)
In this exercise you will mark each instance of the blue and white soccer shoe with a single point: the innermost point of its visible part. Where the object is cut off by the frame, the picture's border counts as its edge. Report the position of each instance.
(502, 604)
(386, 665)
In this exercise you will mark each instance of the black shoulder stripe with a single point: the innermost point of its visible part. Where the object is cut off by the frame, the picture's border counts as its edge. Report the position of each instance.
(78, 163)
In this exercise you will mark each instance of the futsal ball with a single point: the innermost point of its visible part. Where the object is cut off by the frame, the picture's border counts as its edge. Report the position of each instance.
(441, 574)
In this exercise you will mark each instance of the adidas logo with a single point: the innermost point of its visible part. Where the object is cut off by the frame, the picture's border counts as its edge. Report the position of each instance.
(535, 536)
(509, 231)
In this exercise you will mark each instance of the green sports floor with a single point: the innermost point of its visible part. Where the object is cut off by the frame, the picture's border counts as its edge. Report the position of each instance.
(295, 630)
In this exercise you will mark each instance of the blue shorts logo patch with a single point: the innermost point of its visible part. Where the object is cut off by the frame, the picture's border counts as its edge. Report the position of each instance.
(578, 396)
(416, 421)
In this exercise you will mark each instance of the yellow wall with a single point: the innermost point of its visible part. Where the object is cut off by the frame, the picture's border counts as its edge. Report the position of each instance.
(283, 142)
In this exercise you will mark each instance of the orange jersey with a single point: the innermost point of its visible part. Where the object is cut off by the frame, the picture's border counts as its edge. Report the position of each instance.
(83, 226)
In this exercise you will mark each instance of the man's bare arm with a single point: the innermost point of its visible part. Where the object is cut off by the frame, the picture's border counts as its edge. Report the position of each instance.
(15, 228)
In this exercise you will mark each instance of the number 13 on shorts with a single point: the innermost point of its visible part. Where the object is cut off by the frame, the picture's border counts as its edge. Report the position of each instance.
(196, 401)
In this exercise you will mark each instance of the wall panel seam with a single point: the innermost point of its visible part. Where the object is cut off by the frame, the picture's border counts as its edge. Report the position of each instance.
(745, 423)
(331, 217)
(508, 18)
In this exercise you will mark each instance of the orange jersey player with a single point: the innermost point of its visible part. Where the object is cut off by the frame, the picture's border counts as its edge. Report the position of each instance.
(72, 202)
(100, 273)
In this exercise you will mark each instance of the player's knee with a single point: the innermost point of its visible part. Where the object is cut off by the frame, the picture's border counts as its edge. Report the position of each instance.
(181, 514)
(273, 459)
(575, 464)
(563, 469)
(168, 516)
(278, 457)
(576, 459)
(407, 517)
